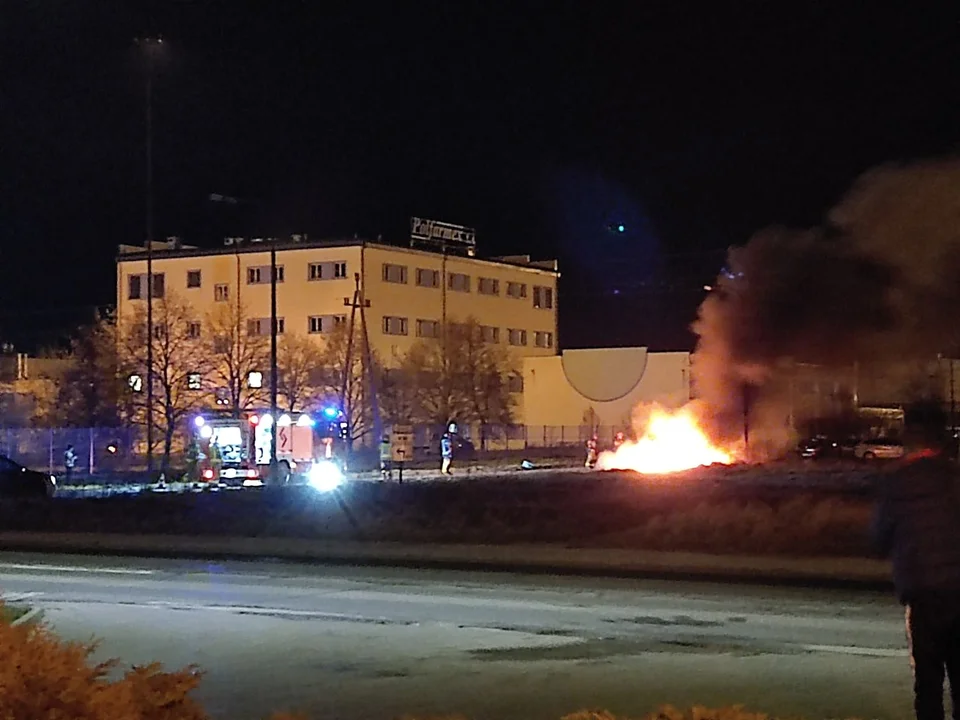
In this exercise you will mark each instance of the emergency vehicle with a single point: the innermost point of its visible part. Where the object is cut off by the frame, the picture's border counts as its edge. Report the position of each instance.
(224, 455)
(303, 441)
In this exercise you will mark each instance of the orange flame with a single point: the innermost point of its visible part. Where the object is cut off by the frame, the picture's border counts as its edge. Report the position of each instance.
(672, 442)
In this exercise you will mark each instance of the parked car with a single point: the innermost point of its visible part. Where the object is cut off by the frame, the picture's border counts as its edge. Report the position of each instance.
(16, 481)
(879, 449)
(823, 446)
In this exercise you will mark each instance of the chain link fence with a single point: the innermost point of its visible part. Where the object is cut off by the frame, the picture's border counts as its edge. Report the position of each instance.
(98, 450)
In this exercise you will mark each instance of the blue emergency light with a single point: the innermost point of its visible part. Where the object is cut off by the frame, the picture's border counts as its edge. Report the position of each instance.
(330, 412)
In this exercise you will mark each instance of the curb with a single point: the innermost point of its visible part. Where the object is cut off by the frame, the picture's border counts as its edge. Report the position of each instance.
(23, 619)
(841, 573)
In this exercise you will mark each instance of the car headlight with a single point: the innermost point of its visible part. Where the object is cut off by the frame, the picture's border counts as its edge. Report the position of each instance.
(325, 476)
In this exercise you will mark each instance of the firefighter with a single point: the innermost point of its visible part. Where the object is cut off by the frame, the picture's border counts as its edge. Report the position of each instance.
(193, 461)
(618, 440)
(69, 461)
(591, 452)
(386, 459)
(446, 452)
(216, 460)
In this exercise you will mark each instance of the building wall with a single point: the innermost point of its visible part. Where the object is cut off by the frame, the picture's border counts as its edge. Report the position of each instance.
(299, 297)
(601, 386)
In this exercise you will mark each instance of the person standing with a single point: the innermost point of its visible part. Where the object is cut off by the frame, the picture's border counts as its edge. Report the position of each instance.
(446, 452)
(591, 452)
(69, 461)
(917, 525)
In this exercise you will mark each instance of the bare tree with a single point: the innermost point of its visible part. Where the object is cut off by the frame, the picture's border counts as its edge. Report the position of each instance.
(397, 393)
(181, 365)
(462, 376)
(298, 358)
(89, 394)
(234, 354)
(337, 369)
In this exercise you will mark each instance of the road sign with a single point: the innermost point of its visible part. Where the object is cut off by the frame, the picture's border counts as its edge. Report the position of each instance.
(401, 443)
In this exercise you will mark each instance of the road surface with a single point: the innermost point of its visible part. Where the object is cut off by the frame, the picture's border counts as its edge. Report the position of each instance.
(352, 643)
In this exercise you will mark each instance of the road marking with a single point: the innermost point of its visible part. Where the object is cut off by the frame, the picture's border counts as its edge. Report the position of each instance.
(853, 650)
(19, 597)
(75, 569)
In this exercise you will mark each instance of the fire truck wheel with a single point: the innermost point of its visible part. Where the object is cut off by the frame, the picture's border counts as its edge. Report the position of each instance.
(283, 472)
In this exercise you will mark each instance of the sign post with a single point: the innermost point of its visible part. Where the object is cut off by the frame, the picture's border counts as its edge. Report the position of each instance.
(401, 446)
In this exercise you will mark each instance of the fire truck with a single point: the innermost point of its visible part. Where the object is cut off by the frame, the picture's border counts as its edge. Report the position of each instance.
(303, 442)
(224, 455)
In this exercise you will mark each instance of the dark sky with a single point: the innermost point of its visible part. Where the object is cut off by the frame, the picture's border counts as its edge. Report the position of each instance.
(543, 125)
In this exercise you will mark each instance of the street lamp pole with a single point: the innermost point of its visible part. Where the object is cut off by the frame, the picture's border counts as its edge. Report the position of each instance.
(149, 45)
(273, 360)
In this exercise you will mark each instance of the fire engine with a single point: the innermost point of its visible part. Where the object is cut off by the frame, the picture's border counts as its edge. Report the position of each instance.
(306, 445)
(224, 454)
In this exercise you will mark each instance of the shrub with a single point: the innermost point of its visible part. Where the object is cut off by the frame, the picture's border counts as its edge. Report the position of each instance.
(45, 678)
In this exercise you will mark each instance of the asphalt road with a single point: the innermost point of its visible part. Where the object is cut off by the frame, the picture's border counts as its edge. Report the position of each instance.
(361, 643)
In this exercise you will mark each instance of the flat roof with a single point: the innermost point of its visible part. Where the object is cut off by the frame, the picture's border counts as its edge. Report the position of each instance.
(168, 251)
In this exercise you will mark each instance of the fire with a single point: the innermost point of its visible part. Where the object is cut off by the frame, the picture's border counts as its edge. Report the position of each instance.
(671, 442)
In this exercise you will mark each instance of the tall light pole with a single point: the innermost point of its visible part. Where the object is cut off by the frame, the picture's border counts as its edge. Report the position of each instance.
(150, 46)
(274, 467)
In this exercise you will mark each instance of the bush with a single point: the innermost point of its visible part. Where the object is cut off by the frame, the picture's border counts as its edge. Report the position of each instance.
(44, 678)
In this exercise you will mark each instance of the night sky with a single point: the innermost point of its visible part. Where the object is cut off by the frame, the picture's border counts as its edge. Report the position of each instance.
(544, 125)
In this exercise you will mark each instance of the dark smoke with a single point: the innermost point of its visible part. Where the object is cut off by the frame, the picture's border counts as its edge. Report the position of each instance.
(880, 280)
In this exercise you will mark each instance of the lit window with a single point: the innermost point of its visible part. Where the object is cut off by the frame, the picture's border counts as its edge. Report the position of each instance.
(194, 381)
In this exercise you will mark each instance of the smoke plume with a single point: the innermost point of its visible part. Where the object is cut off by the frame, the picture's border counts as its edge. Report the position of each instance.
(880, 280)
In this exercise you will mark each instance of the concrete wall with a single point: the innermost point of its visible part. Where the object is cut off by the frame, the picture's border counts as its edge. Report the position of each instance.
(601, 386)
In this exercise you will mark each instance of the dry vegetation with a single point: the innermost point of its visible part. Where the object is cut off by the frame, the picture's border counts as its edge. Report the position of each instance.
(591, 511)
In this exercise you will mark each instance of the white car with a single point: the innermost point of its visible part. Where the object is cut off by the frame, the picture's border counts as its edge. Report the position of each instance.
(879, 449)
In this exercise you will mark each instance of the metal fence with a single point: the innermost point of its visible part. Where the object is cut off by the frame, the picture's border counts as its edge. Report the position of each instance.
(98, 450)
(106, 450)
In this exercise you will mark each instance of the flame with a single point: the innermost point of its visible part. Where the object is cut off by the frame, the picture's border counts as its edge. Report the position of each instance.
(671, 442)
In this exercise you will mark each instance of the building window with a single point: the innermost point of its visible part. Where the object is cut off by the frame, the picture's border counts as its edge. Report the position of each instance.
(395, 273)
(193, 278)
(193, 330)
(261, 326)
(394, 325)
(222, 343)
(221, 292)
(542, 297)
(327, 271)
(324, 323)
(515, 383)
(428, 329)
(489, 334)
(488, 286)
(517, 337)
(459, 282)
(428, 278)
(516, 290)
(194, 381)
(134, 286)
(259, 275)
(543, 339)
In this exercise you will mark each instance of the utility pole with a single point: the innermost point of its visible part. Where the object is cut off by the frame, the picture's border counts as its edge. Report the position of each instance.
(273, 359)
(359, 302)
(150, 46)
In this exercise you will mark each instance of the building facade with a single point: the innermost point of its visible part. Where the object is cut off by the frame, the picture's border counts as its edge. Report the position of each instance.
(409, 293)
